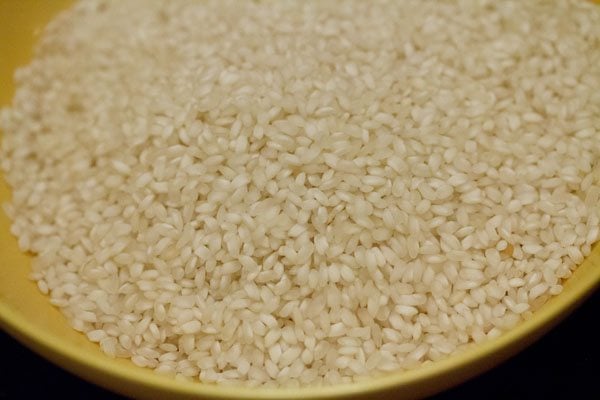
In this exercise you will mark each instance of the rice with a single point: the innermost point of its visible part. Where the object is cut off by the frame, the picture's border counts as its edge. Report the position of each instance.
(292, 193)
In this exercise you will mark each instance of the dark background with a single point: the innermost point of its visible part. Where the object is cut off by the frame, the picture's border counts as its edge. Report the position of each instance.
(563, 364)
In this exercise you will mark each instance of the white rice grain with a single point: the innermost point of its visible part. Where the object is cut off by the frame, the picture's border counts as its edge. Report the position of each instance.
(295, 193)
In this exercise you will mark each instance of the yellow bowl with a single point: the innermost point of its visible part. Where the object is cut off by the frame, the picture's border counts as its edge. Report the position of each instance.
(27, 315)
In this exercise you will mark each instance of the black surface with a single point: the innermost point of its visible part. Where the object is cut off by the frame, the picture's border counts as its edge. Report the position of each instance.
(564, 364)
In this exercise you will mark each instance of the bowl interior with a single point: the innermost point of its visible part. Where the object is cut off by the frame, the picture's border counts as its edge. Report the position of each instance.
(27, 314)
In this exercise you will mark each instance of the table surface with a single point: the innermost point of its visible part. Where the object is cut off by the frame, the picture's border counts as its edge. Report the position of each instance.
(563, 364)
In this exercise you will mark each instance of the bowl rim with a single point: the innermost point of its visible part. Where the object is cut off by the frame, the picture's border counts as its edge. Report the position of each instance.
(577, 289)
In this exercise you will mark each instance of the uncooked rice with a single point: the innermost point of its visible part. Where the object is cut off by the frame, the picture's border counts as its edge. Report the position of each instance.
(305, 192)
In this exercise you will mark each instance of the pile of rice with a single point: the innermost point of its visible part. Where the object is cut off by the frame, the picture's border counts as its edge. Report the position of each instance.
(305, 192)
